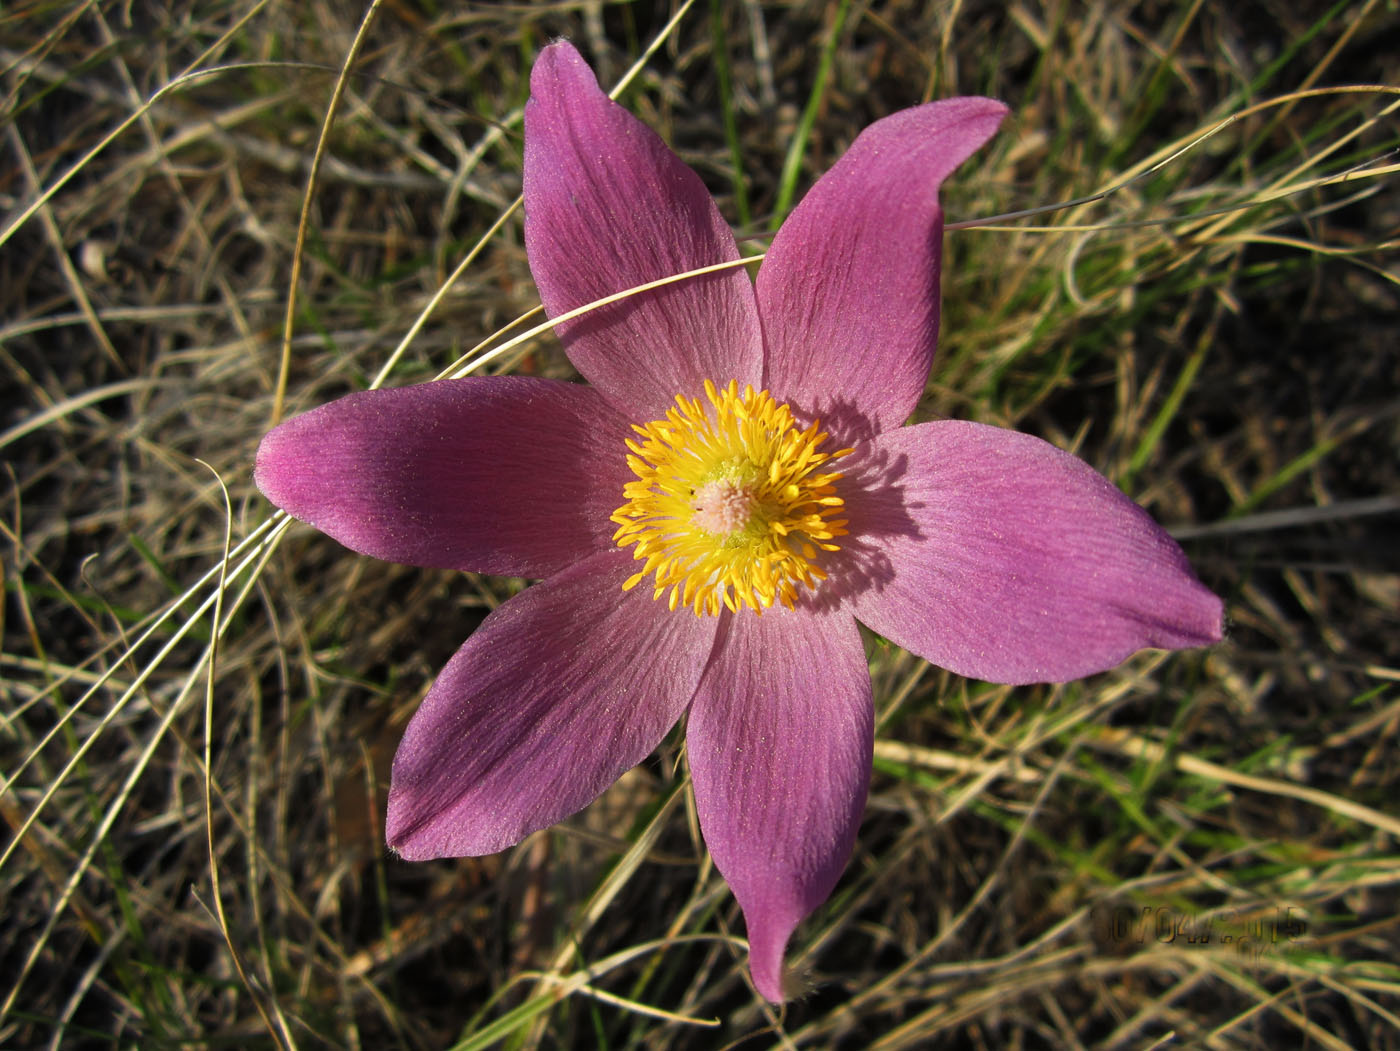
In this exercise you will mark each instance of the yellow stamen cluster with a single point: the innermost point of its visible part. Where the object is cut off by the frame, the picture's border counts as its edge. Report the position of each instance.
(729, 508)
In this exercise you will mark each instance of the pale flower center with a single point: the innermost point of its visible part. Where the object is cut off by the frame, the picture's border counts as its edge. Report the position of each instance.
(729, 507)
(722, 507)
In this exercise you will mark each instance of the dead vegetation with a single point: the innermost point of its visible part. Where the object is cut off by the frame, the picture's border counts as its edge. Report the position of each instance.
(1193, 850)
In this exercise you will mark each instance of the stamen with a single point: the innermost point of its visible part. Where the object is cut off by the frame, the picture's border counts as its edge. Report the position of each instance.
(729, 508)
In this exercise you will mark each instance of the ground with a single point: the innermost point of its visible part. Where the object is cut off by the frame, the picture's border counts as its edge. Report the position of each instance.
(210, 225)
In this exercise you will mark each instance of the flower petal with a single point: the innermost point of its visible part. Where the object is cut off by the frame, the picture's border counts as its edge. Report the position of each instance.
(607, 207)
(780, 742)
(849, 290)
(497, 474)
(1006, 559)
(558, 693)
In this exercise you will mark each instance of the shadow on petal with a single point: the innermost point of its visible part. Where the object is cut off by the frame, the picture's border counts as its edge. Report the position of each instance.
(877, 511)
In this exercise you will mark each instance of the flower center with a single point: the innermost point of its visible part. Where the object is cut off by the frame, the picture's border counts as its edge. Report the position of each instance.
(729, 508)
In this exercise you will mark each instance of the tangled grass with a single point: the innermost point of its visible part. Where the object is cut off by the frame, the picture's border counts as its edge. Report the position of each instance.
(218, 215)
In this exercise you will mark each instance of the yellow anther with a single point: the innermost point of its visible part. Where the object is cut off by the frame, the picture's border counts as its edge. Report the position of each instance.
(727, 508)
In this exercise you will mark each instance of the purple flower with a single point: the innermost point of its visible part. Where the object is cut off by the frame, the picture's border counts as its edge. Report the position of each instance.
(717, 509)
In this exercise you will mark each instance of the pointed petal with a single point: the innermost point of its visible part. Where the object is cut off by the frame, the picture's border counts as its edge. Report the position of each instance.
(780, 743)
(849, 290)
(1006, 559)
(607, 207)
(496, 474)
(559, 692)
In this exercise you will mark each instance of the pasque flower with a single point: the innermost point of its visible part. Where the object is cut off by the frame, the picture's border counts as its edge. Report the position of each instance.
(713, 513)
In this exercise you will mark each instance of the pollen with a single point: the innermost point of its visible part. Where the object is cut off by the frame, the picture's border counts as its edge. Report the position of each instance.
(731, 506)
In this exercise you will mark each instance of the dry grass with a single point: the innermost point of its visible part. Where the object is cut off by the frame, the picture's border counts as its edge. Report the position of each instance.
(1219, 334)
